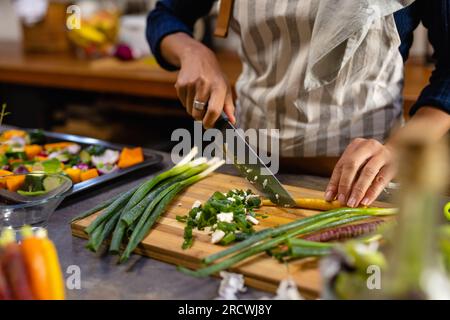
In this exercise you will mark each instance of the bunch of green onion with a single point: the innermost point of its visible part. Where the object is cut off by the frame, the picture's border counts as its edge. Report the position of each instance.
(269, 239)
(133, 214)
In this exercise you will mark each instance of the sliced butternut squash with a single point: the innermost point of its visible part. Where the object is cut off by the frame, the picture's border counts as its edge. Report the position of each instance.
(33, 150)
(130, 157)
(58, 145)
(13, 183)
(4, 173)
(88, 174)
(74, 174)
(8, 134)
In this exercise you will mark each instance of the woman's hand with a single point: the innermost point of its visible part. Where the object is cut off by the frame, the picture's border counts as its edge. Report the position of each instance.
(200, 79)
(366, 166)
(363, 171)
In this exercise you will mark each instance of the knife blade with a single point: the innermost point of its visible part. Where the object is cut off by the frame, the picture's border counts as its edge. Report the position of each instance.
(255, 171)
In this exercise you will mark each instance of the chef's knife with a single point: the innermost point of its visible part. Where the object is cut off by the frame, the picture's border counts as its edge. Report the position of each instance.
(266, 183)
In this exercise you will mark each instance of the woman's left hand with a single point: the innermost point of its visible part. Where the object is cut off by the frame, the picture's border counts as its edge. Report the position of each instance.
(363, 171)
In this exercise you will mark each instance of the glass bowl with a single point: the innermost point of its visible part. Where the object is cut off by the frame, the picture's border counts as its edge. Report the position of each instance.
(35, 213)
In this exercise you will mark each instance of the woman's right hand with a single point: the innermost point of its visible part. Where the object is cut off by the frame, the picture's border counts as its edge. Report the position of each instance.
(200, 79)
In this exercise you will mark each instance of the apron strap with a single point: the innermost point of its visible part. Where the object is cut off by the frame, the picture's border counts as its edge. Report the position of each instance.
(223, 18)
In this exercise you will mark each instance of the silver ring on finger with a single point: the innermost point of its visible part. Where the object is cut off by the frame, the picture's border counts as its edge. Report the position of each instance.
(198, 105)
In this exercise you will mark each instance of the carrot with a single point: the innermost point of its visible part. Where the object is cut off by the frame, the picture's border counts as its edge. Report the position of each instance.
(5, 173)
(42, 262)
(344, 232)
(130, 156)
(310, 203)
(14, 268)
(13, 183)
(8, 134)
(89, 174)
(3, 180)
(58, 145)
(74, 174)
(54, 269)
(32, 151)
(35, 261)
(5, 291)
(4, 148)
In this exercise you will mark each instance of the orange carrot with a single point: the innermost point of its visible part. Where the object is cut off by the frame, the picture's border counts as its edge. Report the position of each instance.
(310, 203)
(54, 269)
(42, 260)
(35, 261)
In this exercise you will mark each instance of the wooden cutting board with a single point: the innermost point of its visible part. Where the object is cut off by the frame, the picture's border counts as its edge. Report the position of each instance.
(262, 272)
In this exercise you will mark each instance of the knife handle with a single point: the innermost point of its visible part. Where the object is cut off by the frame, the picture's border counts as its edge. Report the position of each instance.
(222, 121)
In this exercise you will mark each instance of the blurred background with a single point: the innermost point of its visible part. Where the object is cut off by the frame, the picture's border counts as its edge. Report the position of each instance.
(101, 80)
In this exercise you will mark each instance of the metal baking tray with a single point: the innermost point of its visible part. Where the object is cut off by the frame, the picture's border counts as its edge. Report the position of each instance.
(150, 158)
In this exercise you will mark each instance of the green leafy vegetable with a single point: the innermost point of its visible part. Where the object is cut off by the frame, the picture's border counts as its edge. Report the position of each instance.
(33, 183)
(95, 150)
(37, 137)
(19, 155)
(228, 212)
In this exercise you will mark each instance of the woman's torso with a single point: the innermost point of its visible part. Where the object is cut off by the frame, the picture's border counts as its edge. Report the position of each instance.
(363, 101)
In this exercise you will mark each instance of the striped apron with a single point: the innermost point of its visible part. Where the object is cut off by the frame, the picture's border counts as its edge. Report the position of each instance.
(362, 99)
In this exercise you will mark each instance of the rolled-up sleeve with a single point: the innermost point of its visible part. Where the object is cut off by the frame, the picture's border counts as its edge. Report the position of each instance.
(436, 18)
(171, 16)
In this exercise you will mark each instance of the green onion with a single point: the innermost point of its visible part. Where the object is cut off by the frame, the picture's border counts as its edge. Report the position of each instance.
(94, 235)
(101, 206)
(106, 228)
(239, 203)
(228, 238)
(271, 243)
(181, 167)
(128, 200)
(273, 232)
(296, 242)
(131, 216)
(158, 206)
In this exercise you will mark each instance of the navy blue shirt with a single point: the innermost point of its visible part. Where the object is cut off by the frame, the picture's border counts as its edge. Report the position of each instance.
(171, 16)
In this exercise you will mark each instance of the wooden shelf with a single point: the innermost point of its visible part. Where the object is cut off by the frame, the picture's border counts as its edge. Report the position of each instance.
(141, 78)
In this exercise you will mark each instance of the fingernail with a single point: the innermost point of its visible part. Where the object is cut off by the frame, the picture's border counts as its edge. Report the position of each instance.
(351, 202)
(365, 201)
(341, 198)
(329, 195)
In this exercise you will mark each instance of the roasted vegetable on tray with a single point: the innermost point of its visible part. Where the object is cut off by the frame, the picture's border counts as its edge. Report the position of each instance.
(29, 270)
(23, 152)
(272, 238)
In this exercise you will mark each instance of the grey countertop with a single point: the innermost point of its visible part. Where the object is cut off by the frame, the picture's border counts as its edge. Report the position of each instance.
(142, 278)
